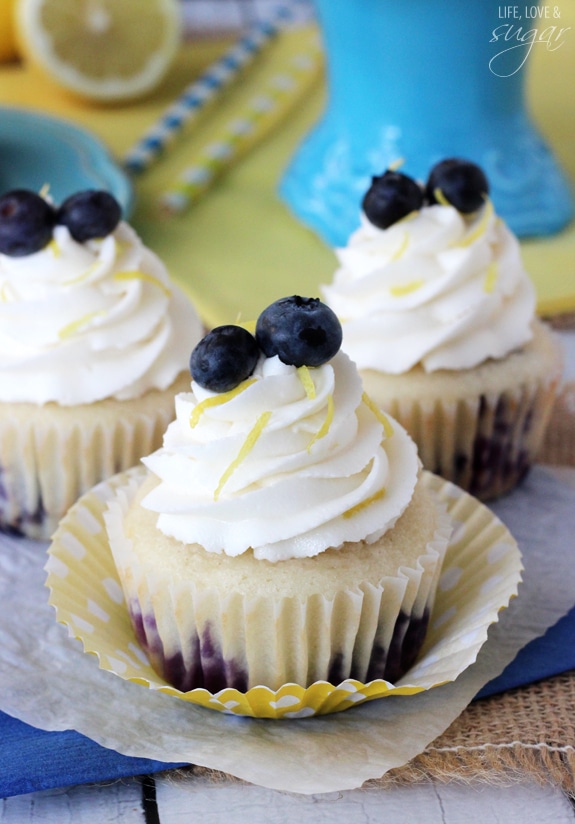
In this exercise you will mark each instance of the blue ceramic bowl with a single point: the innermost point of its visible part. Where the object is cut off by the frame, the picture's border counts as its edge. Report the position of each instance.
(38, 149)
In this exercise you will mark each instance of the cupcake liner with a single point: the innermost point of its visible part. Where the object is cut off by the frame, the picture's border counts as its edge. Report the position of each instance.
(480, 574)
(485, 444)
(51, 455)
(197, 637)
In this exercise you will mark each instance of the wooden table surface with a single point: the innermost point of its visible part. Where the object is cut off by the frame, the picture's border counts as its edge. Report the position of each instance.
(163, 801)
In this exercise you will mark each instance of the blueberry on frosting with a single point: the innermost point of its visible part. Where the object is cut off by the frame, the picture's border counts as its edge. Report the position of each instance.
(452, 182)
(89, 214)
(224, 358)
(300, 331)
(26, 223)
(390, 197)
(460, 183)
(27, 219)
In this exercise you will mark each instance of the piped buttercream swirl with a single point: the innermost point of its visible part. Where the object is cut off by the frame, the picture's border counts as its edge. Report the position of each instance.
(436, 289)
(290, 463)
(80, 322)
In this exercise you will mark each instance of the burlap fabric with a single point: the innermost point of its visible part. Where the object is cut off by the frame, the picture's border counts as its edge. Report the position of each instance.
(525, 733)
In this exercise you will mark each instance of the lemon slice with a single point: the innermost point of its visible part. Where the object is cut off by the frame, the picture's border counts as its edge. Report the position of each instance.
(108, 50)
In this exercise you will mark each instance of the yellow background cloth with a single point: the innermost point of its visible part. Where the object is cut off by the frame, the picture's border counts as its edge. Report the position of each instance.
(240, 247)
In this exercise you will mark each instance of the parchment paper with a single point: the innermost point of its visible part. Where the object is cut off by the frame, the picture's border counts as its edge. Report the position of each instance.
(48, 682)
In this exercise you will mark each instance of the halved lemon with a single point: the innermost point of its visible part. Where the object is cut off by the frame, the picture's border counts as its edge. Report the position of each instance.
(109, 50)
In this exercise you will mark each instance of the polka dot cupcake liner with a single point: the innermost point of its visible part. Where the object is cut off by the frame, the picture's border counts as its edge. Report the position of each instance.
(481, 573)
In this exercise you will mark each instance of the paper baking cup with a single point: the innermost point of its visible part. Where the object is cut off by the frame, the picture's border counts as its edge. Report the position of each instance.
(481, 573)
(484, 444)
(51, 455)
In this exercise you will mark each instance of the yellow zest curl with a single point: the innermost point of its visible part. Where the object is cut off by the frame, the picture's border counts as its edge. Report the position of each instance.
(54, 248)
(135, 274)
(490, 278)
(406, 288)
(71, 328)
(481, 226)
(217, 400)
(246, 448)
(84, 275)
(400, 251)
(324, 429)
(440, 197)
(349, 513)
(384, 421)
(307, 381)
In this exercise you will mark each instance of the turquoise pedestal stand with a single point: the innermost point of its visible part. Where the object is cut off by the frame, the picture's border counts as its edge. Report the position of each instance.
(422, 81)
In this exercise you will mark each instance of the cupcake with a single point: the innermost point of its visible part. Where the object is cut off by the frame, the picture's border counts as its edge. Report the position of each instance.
(282, 533)
(94, 343)
(438, 313)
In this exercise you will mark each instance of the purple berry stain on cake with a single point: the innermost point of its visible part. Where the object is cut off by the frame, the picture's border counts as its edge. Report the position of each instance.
(24, 523)
(496, 462)
(406, 642)
(208, 669)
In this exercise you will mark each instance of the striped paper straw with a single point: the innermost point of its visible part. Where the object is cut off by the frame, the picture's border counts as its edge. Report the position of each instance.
(262, 112)
(201, 92)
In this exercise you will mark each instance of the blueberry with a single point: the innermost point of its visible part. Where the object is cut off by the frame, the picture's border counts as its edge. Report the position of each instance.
(461, 182)
(224, 358)
(89, 214)
(26, 223)
(301, 331)
(390, 197)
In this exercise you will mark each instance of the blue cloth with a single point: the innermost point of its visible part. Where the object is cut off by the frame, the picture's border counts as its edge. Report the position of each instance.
(551, 654)
(32, 759)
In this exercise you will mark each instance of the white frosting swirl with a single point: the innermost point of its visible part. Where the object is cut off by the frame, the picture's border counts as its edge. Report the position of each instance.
(80, 322)
(285, 470)
(435, 289)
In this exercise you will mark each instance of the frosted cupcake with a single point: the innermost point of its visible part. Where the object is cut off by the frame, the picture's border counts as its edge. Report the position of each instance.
(438, 313)
(94, 344)
(282, 533)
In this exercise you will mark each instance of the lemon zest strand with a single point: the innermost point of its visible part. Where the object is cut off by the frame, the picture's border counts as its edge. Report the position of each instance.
(246, 448)
(383, 419)
(400, 251)
(490, 278)
(440, 197)
(406, 288)
(135, 274)
(349, 513)
(307, 381)
(481, 226)
(73, 327)
(324, 428)
(85, 274)
(54, 248)
(396, 164)
(217, 400)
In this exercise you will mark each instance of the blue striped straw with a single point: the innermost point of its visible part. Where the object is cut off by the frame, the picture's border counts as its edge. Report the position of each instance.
(201, 92)
(262, 112)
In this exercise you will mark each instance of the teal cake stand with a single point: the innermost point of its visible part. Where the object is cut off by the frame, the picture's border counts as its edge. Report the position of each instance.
(421, 81)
